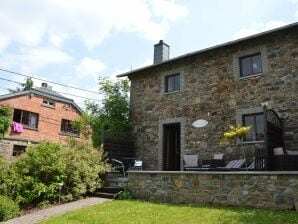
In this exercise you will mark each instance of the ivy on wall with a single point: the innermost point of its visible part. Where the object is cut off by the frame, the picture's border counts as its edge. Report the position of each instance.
(5, 120)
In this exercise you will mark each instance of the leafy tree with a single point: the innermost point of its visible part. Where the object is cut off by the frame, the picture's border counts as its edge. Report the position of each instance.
(111, 118)
(24, 86)
(5, 120)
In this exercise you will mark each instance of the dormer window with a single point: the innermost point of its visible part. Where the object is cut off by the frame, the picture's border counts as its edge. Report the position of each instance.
(48, 103)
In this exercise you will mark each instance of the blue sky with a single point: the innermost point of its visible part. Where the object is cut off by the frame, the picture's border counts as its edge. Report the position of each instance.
(75, 41)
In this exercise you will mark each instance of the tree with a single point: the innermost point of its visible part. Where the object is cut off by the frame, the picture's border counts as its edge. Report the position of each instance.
(111, 118)
(24, 86)
(5, 120)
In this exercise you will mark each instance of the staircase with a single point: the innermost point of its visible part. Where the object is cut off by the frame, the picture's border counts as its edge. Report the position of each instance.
(113, 184)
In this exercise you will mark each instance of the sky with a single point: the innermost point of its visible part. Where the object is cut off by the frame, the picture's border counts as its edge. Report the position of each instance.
(73, 42)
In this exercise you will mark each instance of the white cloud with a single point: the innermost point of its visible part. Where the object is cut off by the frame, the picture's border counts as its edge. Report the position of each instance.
(31, 22)
(89, 67)
(31, 59)
(257, 28)
(168, 9)
(296, 14)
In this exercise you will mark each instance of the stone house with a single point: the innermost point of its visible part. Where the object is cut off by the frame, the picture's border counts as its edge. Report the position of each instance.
(44, 115)
(225, 84)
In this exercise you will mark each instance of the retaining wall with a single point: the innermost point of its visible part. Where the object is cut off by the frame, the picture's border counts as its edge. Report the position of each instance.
(271, 190)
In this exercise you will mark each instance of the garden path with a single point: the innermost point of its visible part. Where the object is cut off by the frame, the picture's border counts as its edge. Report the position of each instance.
(39, 215)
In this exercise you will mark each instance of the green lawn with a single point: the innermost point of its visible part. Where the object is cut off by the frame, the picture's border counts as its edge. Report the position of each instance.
(118, 212)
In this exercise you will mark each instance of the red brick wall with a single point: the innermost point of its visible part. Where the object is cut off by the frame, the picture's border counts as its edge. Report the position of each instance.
(49, 122)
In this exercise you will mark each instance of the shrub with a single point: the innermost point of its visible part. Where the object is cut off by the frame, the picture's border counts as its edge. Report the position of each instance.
(34, 177)
(8, 208)
(84, 168)
(124, 195)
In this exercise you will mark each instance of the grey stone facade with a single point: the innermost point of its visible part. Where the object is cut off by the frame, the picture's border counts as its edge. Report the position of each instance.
(271, 190)
(210, 84)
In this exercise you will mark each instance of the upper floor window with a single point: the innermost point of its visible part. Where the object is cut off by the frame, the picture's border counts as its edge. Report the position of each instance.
(256, 121)
(28, 119)
(250, 65)
(67, 127)
(49, 103)
(172, 83)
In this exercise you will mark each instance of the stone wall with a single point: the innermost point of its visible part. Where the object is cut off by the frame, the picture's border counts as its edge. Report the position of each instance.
(209, 83)
(272, 190)
(6, 146)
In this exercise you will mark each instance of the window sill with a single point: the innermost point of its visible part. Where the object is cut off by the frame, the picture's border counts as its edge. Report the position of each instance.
(48, 106)
(168, 93)
(253, 142)
(69, 134)
(251, 76)
(30, 128)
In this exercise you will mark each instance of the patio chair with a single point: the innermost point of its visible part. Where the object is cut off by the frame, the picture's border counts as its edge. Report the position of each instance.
(217, 161)
(231, 166)
(136, 165)
(234, 164)
(117, 165)
(190, 162)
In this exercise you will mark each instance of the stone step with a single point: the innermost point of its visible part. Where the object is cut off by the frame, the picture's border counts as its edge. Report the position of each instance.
(112, 190)
(108, 192)
(104, 195)
(116, 182)
(113, 174)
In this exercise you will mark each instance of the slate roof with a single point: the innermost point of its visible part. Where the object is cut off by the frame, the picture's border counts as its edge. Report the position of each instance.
(290, 26)
(45, 92)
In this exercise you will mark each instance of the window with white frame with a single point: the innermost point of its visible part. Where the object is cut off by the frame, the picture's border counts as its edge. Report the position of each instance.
(48, 103)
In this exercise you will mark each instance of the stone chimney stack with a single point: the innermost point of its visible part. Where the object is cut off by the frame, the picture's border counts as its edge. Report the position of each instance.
(161, 52)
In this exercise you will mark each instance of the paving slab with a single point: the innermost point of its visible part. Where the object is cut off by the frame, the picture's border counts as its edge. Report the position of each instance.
(46, 213)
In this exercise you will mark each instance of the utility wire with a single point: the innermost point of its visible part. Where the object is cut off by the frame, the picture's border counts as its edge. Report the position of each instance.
(8, 80)
(44, 80)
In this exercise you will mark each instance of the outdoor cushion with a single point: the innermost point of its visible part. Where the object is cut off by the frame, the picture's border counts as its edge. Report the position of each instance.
(191, 160)
(278, 151)
(235, 164)
(292, 153)
(218, 156)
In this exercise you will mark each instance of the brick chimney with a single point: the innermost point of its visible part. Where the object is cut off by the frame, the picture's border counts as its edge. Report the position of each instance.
(161, 52)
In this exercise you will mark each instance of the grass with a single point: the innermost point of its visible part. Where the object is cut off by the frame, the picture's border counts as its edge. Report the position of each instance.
(134, 211)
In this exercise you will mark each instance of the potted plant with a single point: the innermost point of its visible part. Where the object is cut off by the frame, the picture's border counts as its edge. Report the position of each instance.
(233, 133)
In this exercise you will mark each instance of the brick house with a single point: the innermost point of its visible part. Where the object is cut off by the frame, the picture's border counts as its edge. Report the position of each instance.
(44, 115)
(225, 84)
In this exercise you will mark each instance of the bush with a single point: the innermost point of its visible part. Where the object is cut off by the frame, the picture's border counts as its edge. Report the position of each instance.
(8, 208)
(124, 195)
(34, 177)
(84, 169)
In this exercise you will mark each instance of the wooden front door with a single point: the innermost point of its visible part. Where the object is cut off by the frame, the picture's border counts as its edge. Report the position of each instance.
(171, 146)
